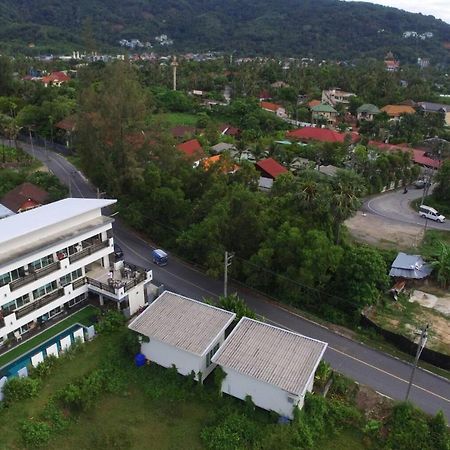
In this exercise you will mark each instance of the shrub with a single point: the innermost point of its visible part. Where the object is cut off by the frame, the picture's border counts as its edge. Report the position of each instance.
(53, 416)
(323, 373)
(17, 389)
(130, 343)
(43, 369)
(35, 434)
(112, 321)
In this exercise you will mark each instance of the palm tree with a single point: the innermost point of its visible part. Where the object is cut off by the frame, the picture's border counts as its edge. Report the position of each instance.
(442, 264)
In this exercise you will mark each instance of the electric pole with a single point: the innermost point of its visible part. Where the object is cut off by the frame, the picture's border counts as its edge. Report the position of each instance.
(228, 258)
(420, 347)
(174, 65)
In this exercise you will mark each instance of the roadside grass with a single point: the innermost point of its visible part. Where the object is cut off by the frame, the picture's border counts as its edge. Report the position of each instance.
(443, 208)
(75, 160)
(84, 316)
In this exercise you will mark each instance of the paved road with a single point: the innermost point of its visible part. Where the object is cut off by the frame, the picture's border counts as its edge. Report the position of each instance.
(382, 372)
(395, 207)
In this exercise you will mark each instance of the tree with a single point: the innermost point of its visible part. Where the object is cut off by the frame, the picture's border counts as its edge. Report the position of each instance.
(237, 305)
(442, 190)
(6, 75)
(441, 264)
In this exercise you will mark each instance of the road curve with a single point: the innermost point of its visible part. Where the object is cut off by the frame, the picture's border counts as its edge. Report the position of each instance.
(384, 373)
(395, 206)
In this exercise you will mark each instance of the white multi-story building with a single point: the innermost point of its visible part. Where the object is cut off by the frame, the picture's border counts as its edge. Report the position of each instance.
(335, 96)
(52, 256)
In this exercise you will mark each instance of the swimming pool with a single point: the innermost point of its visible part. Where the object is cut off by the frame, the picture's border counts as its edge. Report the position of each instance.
(13, 367)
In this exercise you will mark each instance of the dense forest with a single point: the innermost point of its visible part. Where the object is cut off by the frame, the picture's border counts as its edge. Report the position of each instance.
(308, 28)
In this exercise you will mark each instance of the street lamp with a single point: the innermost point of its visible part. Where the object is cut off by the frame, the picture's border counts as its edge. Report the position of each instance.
(420, 347)
(228, 258)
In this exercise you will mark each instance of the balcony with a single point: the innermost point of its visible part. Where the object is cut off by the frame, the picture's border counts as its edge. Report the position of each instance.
(88, 251)
(36, 275)
(78, 283)
(27, 309)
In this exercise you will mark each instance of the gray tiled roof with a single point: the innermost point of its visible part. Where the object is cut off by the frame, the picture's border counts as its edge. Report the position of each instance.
(409, 266)
(182, 322)
(270, 354)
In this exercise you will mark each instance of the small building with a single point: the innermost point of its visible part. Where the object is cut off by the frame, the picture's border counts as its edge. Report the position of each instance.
(182, 132)
(390, 63)
(24, 197)
(222, 147)
(336, 96)
(411, 267)
(308, 134)
(192, 150)
(435, 108)
(395, 111)
(269, 168)
(274, 366)
(228, 130)
(367, 112)
(274, 108)
(223, 164)
(325, 113)
(55, 79)
(182, 332)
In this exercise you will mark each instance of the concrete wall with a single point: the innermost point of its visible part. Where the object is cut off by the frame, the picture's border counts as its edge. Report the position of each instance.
(166, 355)
(263, 394)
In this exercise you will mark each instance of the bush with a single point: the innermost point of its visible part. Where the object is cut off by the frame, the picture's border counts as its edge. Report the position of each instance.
(43, 369)
(17, 389)
(112, 321)
(130, 343)
(35, 434)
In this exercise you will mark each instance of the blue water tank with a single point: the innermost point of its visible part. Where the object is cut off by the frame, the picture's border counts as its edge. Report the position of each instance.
(139, 360)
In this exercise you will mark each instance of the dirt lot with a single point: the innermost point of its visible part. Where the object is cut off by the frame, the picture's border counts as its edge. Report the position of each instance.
(376, 230)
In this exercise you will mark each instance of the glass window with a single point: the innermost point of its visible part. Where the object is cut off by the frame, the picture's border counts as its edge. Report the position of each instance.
(43, 262)
(211, 354)
(22, 300)
(44, 290)
(5, 279)
(65, 280)
(8, 308)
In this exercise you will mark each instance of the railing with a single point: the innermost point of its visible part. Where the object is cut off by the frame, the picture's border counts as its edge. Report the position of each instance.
(100, 285)
(2, 322)
(39, 303)
(88, 251)
(16, 284)
(78, 283)
(139, 279)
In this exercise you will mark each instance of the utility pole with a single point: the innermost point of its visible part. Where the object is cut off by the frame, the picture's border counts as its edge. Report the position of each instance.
(420, 347)
(228, 258)
(174, 65)
(31, 143)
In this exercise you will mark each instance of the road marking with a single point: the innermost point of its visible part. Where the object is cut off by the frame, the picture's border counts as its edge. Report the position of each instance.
(371, 366)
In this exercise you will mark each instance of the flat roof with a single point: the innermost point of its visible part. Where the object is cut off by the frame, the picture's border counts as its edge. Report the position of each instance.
(16, 226)
(271, 354)
(182, 322)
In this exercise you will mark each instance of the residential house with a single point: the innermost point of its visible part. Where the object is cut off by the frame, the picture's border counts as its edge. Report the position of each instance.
(55, 79)
(324, 113)
(269, 168)
(222, 147)
(330, 171)
(435, 108)
(396, 111)
(410, 267)
(274, 108)
(182, 132)
(264, 95)
(308, 134)
(52, 256)
(67, 127)
(193, 150)
(279, 85)
(367, 112)
(390, 63)
(24, 197)
(225, 165)
(182, 332)
(228, 130)
(273, 366)
(336, 96)
(312, 103)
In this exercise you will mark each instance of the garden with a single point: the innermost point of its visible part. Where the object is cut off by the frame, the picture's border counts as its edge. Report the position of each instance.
(94, 397)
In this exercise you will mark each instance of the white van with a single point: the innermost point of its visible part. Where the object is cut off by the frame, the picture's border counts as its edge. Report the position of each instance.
(427, 212)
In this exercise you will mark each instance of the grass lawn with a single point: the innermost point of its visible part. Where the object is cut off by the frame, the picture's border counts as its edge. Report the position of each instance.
(179, 119)
(347, 439)
(84, 316)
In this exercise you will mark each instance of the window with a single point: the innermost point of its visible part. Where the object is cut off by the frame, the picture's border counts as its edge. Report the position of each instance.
(22, 300)
(5, 279)
(211, 354)
(8, 308)
(44, 290)
(42, 262)
(67, 279)
(55, 312)
(76, 300)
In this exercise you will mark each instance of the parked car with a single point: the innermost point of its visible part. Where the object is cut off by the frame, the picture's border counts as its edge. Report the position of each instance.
(118, 253)
(160, 257)
(427, 212)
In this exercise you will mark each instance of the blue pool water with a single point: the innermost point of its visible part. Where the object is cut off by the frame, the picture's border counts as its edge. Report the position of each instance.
(25, 360)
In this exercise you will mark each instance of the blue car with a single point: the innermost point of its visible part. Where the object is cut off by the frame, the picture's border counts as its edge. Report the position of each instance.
(159, 257)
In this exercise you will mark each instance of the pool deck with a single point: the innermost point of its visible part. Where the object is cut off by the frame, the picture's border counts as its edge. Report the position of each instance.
(82, 316)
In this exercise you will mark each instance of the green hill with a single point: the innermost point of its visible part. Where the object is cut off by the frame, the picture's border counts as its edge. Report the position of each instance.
(309, 28)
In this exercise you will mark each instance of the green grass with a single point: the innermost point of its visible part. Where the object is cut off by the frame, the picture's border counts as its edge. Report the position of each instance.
(347, 439)
(84, 316)
(74, 160)
(179, 119)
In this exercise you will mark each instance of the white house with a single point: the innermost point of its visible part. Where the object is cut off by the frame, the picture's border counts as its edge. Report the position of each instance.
(52, 256)
(182, 332)
(274, 366)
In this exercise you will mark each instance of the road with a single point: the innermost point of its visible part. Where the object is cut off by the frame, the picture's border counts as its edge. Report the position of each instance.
(395, 207)
(367, 366)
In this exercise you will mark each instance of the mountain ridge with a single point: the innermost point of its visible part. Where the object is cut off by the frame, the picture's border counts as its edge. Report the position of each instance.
(330, 29)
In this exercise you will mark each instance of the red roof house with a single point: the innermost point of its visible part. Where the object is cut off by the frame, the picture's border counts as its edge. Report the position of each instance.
(23, 197)
(192, 149)
(269, 168)
(56, 79)
(319, 134)
(228, 130)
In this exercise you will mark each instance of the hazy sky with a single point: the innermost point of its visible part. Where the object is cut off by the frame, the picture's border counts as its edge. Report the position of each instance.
(438, 8)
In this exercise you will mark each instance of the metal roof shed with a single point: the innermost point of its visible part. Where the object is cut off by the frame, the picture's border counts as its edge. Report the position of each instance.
(412, 267)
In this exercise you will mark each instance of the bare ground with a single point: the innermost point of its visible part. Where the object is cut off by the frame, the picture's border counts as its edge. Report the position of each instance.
(375, 230)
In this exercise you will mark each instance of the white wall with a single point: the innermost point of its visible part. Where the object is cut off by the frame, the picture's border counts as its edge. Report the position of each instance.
(264, 395)
(136, 298)
(166, 355)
